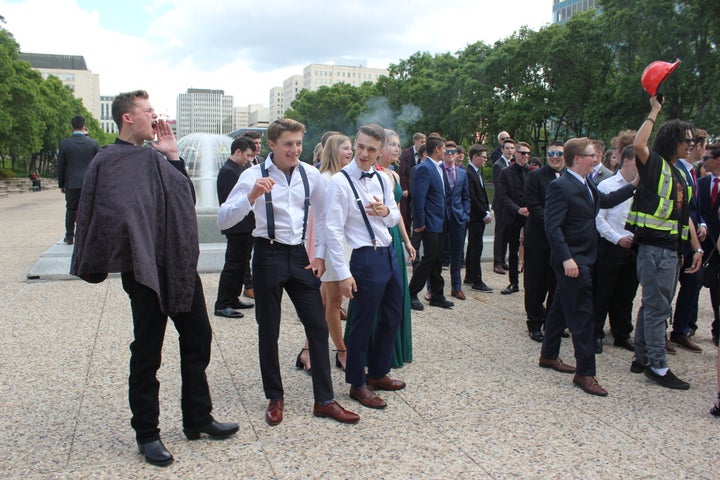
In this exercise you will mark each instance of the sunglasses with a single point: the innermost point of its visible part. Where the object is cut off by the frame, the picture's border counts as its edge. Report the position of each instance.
(522, 153)
(708, 157)
(689, 141)
(555, 154)
(451, 152)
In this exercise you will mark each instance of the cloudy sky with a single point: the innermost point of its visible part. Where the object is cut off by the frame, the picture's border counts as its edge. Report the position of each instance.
(246, 48)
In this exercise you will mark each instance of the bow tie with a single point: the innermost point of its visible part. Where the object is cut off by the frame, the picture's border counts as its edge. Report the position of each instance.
(366, 175)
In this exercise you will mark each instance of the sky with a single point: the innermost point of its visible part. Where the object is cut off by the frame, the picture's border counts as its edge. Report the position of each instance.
(246, 48)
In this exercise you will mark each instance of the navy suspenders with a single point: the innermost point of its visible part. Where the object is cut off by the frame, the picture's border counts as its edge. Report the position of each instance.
(361, 207)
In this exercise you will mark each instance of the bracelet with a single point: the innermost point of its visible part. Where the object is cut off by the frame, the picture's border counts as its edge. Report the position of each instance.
(653, 121)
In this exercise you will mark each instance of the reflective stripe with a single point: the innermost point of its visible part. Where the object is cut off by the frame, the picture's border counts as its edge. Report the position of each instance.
(660, 219)
(650, 221)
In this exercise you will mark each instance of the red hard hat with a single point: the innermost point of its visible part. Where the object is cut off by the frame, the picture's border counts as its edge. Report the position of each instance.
(656, 73)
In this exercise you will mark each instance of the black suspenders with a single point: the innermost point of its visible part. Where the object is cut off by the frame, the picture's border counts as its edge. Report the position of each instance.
(361, 207)
(269, 206)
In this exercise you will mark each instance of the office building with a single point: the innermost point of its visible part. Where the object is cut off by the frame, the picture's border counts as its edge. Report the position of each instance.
(564, 9)
(203, 110)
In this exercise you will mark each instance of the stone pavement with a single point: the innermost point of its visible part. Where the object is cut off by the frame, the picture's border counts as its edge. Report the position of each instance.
(476, 406)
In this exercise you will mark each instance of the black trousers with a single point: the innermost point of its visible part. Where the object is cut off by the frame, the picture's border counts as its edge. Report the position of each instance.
(278, 267)
(572, 306)
(72, 198)
(539, 283)
(430, 266)
(232, 277)
(500, 243)
(473, 255)
(512, 236)
(614, 289)
(195, 335)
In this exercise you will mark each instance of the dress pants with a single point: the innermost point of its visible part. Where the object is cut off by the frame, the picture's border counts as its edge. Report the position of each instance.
(473, 255)
(430, 266)
(500, 243)
(72, 199)
(456, 241)
(195, 335)
(572, 306)
(539, 282)
(512, 236)
(277, 267)
(686, 304)
(614, 289)
(233, 273)
(378, 299)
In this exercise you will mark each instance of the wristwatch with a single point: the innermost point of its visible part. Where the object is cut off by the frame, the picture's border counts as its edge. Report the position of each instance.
(699, 250)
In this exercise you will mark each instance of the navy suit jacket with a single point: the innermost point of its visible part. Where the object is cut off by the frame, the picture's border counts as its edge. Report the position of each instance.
(73, 159)
(458, 197)
(570, 218)
(708, 212)
(428, 204)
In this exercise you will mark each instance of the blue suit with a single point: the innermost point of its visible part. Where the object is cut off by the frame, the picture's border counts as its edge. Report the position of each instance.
(457, 199)
(430, 213)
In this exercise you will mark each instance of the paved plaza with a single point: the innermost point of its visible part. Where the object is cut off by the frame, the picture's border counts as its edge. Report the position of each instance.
(477, 406)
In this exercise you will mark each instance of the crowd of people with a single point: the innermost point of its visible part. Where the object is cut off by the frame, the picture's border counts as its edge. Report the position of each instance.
(584, 230)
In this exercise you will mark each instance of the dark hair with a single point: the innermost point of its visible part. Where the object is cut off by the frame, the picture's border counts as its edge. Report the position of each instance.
(508, 140)
(252, 134)
(282, 125)
(124, 102)
(460, 149)
(669, 136)
(573, 147)
(242, 143)
(373, 130)
(432, 143)
(450, 143)
(627, 152)
(556, 143)
(476, 149)
(598, 143)
(77, 122)
(421, 151)
(714, 149)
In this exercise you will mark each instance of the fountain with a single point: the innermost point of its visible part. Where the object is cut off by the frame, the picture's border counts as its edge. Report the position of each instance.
(204, 154)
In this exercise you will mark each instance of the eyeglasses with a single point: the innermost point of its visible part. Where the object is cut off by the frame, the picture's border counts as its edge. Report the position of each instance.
(587, 155)
(708, 157)
(689, 141)
(483, 156)
(522, 153)
(450, 152)
(556, 153)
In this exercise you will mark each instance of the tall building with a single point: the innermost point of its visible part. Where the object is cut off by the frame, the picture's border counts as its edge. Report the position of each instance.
(564, 9)
(202, 110)
(72, 72)
(291, 87)
(276, 103)
(106, 121)
(253, 116)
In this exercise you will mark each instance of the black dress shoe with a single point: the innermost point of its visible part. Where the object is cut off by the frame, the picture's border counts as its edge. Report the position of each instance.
(482, 287)
(506, 266)
(598, 343)
(214, 429)
(512, 288)
(228, 313)
(441, 302)
(625, 343)
(155, 453)
(537, 336)
(240, 305)
(416, 304)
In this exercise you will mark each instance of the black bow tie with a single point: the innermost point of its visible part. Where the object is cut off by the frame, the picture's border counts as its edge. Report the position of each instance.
(366, 175)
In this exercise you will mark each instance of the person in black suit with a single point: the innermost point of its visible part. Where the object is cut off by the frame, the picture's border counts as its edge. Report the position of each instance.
(708, 208)
(511, 195)
(500, 243)
(538, 276)
(239, 236)
(479, 217)
(571, 204)
(409, 158)
(74, 156)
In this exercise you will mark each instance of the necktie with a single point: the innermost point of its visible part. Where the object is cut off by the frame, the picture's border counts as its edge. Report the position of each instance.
(714, 192)
(366, 175)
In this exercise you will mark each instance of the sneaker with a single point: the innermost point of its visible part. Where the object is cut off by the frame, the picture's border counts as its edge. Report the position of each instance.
(668, 380)
(637, 367)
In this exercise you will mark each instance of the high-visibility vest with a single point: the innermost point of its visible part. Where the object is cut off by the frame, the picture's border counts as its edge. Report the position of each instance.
(656, 213)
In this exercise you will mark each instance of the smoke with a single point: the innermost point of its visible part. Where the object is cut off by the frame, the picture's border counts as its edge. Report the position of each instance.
(377, 110)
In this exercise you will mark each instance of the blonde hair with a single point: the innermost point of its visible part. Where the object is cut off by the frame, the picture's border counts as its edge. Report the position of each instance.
(330, 159)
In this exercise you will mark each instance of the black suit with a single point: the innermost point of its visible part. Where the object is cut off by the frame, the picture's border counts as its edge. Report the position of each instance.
(708, 213)
(479, 208)
(538, 276)
(500, 243)
(73, 159)
(512, 197)
(239, 241)
(408, 160)
(570, 228)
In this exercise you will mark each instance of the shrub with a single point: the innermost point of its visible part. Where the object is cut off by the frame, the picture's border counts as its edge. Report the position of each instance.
(6, 173)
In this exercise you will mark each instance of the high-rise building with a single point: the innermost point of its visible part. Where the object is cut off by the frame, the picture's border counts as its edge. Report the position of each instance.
(72, 72)
(291, 87)
(276, 103)
(564, 9)
(203, 110)
(106, 120)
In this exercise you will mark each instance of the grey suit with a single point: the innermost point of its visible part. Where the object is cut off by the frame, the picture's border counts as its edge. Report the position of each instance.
(73, 158)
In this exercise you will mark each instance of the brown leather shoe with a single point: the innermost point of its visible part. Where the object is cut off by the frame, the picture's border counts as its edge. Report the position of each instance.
(556, 365)
(367, 397)
(685, 342)
(334, 410)
(274, 412)
(458, 294)
(589, 385)
(384, 383)
(249, 293)
(669, 347)
(499, 270)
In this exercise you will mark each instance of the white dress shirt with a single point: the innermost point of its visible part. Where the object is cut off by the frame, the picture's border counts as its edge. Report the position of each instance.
(610, 222)
(288, 205)
(343, 218)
